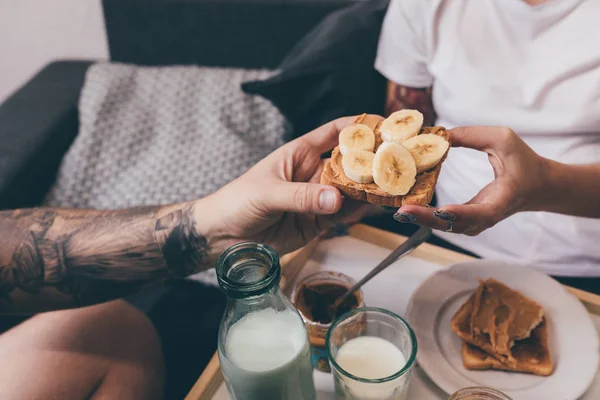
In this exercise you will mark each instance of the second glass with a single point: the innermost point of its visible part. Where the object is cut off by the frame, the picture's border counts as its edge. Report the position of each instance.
(372, 352)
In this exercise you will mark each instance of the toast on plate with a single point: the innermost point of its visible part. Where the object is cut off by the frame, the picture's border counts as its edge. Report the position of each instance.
(421, 191)
(502, 329)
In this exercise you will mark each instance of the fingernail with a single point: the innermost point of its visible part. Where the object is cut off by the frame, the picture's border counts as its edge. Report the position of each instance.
(327, 200)
(405, 218)
(445, 215)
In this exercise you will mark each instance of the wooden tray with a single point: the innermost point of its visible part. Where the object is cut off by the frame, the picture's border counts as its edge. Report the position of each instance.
(212, 378)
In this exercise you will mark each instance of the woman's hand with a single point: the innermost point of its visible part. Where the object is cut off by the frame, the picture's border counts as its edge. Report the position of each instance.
(280, 201)
(521, 177)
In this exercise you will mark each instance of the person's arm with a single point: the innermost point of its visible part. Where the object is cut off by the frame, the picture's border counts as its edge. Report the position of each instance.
(524, 181)
(54, 258)
(403, 97)
(572, 190)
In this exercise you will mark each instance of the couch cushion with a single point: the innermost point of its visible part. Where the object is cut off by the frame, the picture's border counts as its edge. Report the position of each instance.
(37, 125)
(330, 73)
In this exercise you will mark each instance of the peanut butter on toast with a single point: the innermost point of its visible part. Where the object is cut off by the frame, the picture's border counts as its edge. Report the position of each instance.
(420, 194)
(505, 315)
(502, 329)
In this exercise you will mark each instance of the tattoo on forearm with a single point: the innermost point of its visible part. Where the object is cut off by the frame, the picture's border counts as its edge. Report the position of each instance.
(95, 256)
(401, 97)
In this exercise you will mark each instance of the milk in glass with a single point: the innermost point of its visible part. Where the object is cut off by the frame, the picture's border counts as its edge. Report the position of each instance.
(371, 357)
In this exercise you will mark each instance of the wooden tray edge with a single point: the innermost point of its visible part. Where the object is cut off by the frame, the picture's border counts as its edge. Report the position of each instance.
(209, 382)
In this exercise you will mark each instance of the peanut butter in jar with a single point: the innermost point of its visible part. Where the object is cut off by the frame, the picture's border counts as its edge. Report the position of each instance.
(314, 297)
(478, 393)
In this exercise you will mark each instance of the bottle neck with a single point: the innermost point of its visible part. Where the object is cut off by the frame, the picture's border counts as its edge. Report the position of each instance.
(272, 298)
(248, 272)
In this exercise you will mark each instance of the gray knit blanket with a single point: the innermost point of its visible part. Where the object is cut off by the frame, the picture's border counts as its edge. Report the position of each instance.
(160, 135)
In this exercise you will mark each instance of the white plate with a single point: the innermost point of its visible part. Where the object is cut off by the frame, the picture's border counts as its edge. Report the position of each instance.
(573, 338)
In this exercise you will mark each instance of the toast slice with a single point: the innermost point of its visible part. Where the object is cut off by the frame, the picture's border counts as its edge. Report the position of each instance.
(495, 317)
(420, 194)
(532, 355)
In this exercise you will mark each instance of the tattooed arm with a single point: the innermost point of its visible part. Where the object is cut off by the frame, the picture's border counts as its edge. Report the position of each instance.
(53, 258)
(399, 97)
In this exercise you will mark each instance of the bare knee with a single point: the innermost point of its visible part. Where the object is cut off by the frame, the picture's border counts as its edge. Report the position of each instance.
(117, 341)
(113, 328)
(131, 342)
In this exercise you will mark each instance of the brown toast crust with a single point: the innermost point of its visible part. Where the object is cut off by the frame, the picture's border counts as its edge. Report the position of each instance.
(532, 355)
(420, 194)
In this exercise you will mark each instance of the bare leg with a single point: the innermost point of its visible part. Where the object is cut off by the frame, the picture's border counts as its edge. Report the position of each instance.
(106, 351)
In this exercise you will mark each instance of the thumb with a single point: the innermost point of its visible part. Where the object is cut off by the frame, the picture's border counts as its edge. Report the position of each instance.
(303, 198)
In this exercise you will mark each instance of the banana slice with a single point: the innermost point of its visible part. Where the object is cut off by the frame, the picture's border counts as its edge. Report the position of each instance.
(401, 126)
(427, 150)
(356, 137)
(394, 169)
(358, 165)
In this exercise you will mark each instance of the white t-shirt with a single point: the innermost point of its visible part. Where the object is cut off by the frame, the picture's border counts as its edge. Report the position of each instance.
(535, 69)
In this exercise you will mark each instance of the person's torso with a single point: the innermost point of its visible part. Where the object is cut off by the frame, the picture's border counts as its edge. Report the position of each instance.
(536, 70)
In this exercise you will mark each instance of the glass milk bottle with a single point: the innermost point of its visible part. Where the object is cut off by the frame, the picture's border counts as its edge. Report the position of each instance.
(263, 344)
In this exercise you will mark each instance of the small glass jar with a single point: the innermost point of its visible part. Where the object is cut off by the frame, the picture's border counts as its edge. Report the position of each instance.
(317, 331)
(478, 393)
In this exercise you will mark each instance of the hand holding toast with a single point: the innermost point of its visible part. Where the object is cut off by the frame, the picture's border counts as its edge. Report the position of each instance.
(280, 200)
(521, 177)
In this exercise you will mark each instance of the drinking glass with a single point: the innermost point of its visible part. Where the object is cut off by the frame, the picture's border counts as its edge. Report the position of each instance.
(379, 323)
